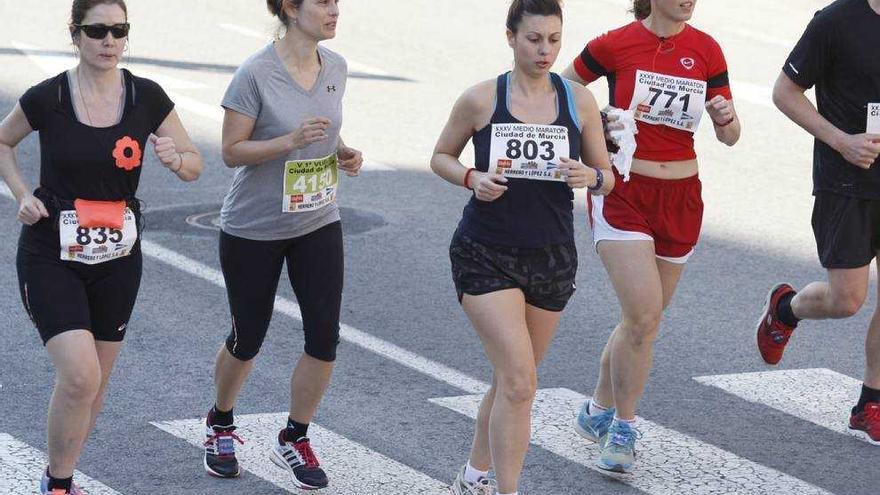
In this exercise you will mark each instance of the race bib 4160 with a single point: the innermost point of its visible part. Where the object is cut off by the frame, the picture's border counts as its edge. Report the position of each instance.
(528, 151)
(676, 102)
(873, 126)
(95, 245)
(309, 184)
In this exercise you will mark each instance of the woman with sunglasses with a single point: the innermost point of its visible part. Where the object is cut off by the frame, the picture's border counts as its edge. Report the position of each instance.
(513, 255)
(281, 134)
(671, 76)
(79, 259)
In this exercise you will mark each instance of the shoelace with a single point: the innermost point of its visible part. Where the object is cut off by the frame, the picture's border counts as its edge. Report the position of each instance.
(228, 433)
(486, 486)
(626, 436)
(305, 451)
(779, 332)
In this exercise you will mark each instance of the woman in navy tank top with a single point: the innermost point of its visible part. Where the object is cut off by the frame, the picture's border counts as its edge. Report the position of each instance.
(513, 255)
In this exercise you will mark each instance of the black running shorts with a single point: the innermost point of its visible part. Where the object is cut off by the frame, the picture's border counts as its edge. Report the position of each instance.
(60, 296)
(252, 270)
(847, 230)
(545, 275)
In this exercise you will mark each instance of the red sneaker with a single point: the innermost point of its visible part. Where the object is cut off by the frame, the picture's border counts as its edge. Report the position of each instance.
(867, 423)
(772, 333)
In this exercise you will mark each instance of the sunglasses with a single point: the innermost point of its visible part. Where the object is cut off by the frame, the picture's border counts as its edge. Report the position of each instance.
(99, 31)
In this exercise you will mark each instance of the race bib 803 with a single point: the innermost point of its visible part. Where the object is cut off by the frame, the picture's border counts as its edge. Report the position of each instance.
(873, 126)
(95, 245)
(309, 184)
(528, 151)
(676, 102)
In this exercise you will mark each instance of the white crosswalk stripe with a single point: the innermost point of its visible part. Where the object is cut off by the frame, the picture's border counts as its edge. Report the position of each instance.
(668, 462)
(820, 396)
(352, 468)
(22, 466)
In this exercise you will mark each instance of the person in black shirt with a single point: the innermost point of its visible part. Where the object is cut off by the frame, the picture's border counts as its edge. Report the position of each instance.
(838, 55)
(79, 259)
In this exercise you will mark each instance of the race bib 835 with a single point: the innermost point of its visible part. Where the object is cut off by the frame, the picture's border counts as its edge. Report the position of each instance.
(528, 151)
(95, 245)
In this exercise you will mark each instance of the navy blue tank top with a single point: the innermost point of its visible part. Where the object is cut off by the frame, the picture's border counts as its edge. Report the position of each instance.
(531, 213)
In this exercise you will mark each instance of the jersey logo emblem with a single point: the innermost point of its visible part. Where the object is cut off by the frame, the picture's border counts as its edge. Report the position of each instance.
(127, 154)
(688, 63)
(331, 89)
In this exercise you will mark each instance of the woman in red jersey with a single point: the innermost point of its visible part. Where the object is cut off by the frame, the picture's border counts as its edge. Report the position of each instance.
(671, 76)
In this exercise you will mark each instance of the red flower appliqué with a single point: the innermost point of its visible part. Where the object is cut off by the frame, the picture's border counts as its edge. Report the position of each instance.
(127, 153)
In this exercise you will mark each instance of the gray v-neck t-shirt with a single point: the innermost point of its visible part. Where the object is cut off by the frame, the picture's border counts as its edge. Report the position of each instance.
(263, 89)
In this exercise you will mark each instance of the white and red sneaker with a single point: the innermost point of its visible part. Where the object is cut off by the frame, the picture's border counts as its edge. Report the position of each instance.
(220, 460)
(300, 460)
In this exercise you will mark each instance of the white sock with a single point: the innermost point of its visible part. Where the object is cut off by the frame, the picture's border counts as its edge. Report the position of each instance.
(472, 474)
(595, 409)
(630, 422)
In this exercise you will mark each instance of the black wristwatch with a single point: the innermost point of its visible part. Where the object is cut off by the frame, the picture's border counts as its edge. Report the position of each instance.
(600, 179)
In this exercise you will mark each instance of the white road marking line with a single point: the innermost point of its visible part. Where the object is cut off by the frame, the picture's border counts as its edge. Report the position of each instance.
(22, 466)
(4, 191)
(820, 396)
(669, 462)
(56, 64)
(347, 333)
(251, 33)
(352, 468)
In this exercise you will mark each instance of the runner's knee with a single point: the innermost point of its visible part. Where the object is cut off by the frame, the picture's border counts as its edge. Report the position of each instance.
(322, 345)
(519, 386)
(243, 349)
(846, 302)
(80, 385)
(641, 327)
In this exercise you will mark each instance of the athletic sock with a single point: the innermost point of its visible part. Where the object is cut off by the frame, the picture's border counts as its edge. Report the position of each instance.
(784, 311)
(868, 395)
(295, 430)
(472, 474)
(217, 417)
(62, 483)
(630, 422)
(595, 409)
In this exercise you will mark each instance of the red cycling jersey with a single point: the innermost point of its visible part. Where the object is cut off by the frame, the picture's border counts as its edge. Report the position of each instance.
(672, 77)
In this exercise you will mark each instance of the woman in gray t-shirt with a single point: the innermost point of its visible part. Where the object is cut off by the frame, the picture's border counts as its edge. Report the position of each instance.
(281, 134)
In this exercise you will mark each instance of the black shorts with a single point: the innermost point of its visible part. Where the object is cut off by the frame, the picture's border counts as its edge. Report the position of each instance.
(252, 270)
(545, 275)
(60, 296)
(847, 230)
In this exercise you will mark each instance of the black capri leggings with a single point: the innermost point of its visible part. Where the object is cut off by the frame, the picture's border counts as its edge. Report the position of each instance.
(252, 270)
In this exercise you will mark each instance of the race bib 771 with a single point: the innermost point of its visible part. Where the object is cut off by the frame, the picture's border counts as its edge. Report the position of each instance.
(672, 101)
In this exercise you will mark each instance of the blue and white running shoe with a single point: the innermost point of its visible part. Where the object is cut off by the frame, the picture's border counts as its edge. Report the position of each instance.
(590, 427)
(617, 450)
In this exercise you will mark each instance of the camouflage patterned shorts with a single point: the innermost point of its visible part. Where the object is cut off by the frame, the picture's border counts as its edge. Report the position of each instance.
(545, 275)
